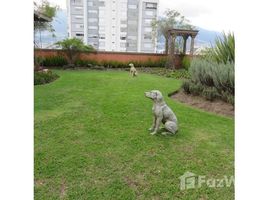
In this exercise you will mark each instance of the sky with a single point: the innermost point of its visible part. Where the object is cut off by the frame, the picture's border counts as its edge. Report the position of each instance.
(216, 15)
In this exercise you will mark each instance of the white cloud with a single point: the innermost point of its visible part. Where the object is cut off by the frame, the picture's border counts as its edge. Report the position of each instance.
(210, 14)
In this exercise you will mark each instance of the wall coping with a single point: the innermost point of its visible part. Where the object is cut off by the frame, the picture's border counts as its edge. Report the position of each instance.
(109, 52)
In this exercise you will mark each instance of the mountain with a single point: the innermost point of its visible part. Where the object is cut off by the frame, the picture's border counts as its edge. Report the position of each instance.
(204, 38)
(59, 24)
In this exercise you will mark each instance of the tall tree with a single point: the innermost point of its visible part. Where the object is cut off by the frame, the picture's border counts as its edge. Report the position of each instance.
(171, 19)
(47, 10)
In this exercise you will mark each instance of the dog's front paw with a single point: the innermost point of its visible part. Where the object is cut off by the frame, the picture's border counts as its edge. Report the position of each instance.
(153, 133)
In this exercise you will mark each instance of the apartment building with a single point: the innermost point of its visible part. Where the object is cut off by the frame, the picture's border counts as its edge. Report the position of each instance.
(114, 25)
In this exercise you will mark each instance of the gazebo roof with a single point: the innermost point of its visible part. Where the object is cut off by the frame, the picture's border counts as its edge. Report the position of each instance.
(183, 32)
(39, 17)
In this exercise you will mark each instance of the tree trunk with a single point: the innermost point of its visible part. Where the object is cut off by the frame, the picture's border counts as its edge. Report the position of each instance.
(166, 45)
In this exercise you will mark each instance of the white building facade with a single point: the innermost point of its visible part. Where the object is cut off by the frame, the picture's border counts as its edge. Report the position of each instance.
(114, 25)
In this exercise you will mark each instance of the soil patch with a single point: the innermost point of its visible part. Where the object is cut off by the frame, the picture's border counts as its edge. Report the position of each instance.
(217, 106)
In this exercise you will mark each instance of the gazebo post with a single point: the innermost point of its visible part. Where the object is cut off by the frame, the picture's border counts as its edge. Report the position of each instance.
(171, 50)
(185, 37)
(192, 45)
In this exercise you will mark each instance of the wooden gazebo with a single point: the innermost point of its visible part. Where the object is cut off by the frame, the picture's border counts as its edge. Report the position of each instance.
(172, 35)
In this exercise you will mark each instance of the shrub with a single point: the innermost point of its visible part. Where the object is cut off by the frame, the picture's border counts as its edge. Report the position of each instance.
(196, 88)
(182, 74)
(54, 61)
(186, 86)
(211, 80)
(210, 93)
(186, 63)
(44, 77)
(228, 97)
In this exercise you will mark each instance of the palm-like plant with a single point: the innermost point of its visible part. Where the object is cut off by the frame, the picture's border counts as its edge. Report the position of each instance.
(224, 49)
(72, 47)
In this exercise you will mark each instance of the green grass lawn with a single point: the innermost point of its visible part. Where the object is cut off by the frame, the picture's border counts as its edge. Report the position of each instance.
(92, 141)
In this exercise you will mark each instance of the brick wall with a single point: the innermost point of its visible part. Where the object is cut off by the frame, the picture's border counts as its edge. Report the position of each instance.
(111, 56)
(106, 56)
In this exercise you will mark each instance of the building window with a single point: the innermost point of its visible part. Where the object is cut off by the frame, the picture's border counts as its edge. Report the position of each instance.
(93, 27)
(102, 37)
(102, 28)
(92, 19)
(132, 6)
(132, 37)
(79, 26)
(147, 37)
(78, 17)
(123, 38)
(93, 36)
(78, 8)
(151, 6)
(149, 13)
(93, 11)
(76, 1)
(147, 45)
(79, 34)
(101, 3)
(132, 22)
(101, 44)
(148, 21)
(148, 29)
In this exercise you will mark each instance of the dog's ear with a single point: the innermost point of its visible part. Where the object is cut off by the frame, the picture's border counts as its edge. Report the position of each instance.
(158, 96)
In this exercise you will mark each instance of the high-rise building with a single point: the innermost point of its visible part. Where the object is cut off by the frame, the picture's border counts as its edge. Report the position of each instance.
(114, 25)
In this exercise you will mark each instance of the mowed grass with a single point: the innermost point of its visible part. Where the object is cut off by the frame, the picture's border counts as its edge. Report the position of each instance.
(92, 141)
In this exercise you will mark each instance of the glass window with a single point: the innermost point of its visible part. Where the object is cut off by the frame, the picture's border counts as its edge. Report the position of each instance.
(132, 6)
(101, 44)
(132, 22)
(92, 27)
(151, 5)
(93, 11)
(148, 29)
(148, 45)
(79, 34)
(147, 37)
(92, 19)
(149, 13)
(148, 21)
(101, 3)
(79, 26)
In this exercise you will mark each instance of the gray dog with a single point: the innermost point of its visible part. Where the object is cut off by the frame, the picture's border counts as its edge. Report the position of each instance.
(162, 113)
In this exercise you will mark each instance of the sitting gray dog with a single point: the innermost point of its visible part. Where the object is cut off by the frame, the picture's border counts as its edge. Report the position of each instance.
(162, 113)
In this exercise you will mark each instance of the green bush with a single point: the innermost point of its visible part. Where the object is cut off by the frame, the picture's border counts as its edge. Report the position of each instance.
(228, 97)
(186, 63)
(182, 74)
(186, 86)
(210, 93)
(44, 77)
(211, 80)
(54, 61)
(196, 88)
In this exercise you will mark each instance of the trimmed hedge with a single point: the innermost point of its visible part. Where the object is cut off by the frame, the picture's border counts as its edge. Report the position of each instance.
(44, 77)
(60, 61)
